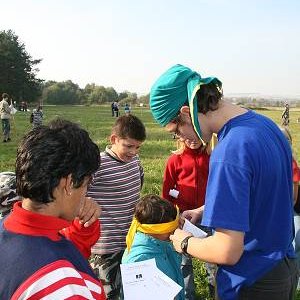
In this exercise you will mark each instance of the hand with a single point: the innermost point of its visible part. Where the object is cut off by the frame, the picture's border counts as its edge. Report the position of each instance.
(177, 237)
(89, 211)
(193, 215)
(181, 221)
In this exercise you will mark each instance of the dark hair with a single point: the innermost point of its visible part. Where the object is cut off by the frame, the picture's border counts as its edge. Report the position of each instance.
(129, 127)
(48, 153)
(208, 97)
(5, 95)
(152, 209)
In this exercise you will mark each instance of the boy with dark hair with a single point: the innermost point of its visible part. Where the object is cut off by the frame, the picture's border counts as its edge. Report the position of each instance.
(251, 166)
(148, 237)
(46, 240)
(116, 187)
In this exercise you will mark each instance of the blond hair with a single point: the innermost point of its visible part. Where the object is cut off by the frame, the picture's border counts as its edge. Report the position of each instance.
(288, 136)
(181, 146)
(286, 133)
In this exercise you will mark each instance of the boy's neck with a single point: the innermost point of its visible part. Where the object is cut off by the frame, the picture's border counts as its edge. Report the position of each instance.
(113, 153)
(226, 111)
(161, 237)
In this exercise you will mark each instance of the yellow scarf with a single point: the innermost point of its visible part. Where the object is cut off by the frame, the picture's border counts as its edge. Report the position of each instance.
(150, 228)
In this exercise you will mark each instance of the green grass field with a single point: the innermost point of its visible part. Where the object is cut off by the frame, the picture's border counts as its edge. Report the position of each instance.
(97, 121)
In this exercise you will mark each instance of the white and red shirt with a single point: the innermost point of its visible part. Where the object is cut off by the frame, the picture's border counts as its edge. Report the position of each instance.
(39, 259)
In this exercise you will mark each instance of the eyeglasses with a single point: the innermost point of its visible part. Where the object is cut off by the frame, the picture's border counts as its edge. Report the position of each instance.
(176, 135)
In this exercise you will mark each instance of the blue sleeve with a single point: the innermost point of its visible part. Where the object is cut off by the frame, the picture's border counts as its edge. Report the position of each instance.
(227, 197)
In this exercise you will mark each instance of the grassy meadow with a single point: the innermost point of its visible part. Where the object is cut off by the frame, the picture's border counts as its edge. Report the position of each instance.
(97, 120)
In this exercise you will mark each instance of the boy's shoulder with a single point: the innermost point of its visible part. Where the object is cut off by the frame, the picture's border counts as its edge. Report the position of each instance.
(174, 157)
(105, 157)
(103, 153)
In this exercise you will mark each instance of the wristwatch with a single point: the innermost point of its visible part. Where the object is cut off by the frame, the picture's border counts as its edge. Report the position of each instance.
(184, 244)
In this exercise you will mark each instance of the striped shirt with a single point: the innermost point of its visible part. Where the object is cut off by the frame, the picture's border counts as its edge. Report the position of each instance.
(116, 187)
(37, 117)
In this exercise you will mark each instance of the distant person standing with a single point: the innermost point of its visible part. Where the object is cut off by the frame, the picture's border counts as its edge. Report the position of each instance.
(116, 109)
(5, 113)
(36, 117)
(286, 115)
(25, 107)
(113, 109)
(127, 109)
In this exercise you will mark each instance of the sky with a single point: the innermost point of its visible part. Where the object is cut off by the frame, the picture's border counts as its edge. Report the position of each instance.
(252, 46)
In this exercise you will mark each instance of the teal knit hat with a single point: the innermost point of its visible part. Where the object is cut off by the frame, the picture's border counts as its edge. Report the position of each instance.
(177, 86)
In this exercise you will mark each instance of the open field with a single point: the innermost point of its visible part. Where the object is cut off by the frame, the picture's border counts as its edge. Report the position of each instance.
(98, 121)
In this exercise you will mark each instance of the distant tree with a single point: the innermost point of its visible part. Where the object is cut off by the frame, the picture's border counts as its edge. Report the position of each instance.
(18, 69)
(144, 99)
(89, 88)
(98, 95)
(94, 94)
(86, 92)
(123, 95)
(112, 94)
(48, 83)
(65, 92)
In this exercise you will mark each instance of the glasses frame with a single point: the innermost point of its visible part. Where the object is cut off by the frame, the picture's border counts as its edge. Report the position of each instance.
(176, 135)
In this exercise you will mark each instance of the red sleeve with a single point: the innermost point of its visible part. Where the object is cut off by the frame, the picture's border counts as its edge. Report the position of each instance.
(296, 172)
(169, 181)
(83, 237)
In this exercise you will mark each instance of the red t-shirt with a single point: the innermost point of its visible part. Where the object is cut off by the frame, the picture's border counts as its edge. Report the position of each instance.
(296, 172)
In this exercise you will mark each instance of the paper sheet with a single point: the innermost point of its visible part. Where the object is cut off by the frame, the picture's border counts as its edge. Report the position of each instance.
(194, 230)
(143, 280)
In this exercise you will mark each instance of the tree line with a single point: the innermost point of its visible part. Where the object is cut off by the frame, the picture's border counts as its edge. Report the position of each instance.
(19, 78)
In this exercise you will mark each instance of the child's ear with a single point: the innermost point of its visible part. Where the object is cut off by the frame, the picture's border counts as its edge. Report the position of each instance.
(185, 110)
(113, 139)
(65, 185)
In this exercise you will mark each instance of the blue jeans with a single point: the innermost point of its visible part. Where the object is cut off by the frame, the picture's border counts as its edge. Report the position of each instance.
(5, 128)
(188, 273)
(188, 276)
(278, 284)
(296, 241)
(107, 268)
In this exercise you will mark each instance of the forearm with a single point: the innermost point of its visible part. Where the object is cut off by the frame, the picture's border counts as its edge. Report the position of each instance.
(223, 247)
(200, 210)
(209, 250)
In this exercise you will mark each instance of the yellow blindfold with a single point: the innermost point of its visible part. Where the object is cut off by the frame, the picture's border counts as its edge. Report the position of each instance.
(150, 228)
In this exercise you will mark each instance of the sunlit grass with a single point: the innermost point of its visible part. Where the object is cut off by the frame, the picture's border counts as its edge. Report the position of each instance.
(154, 152)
